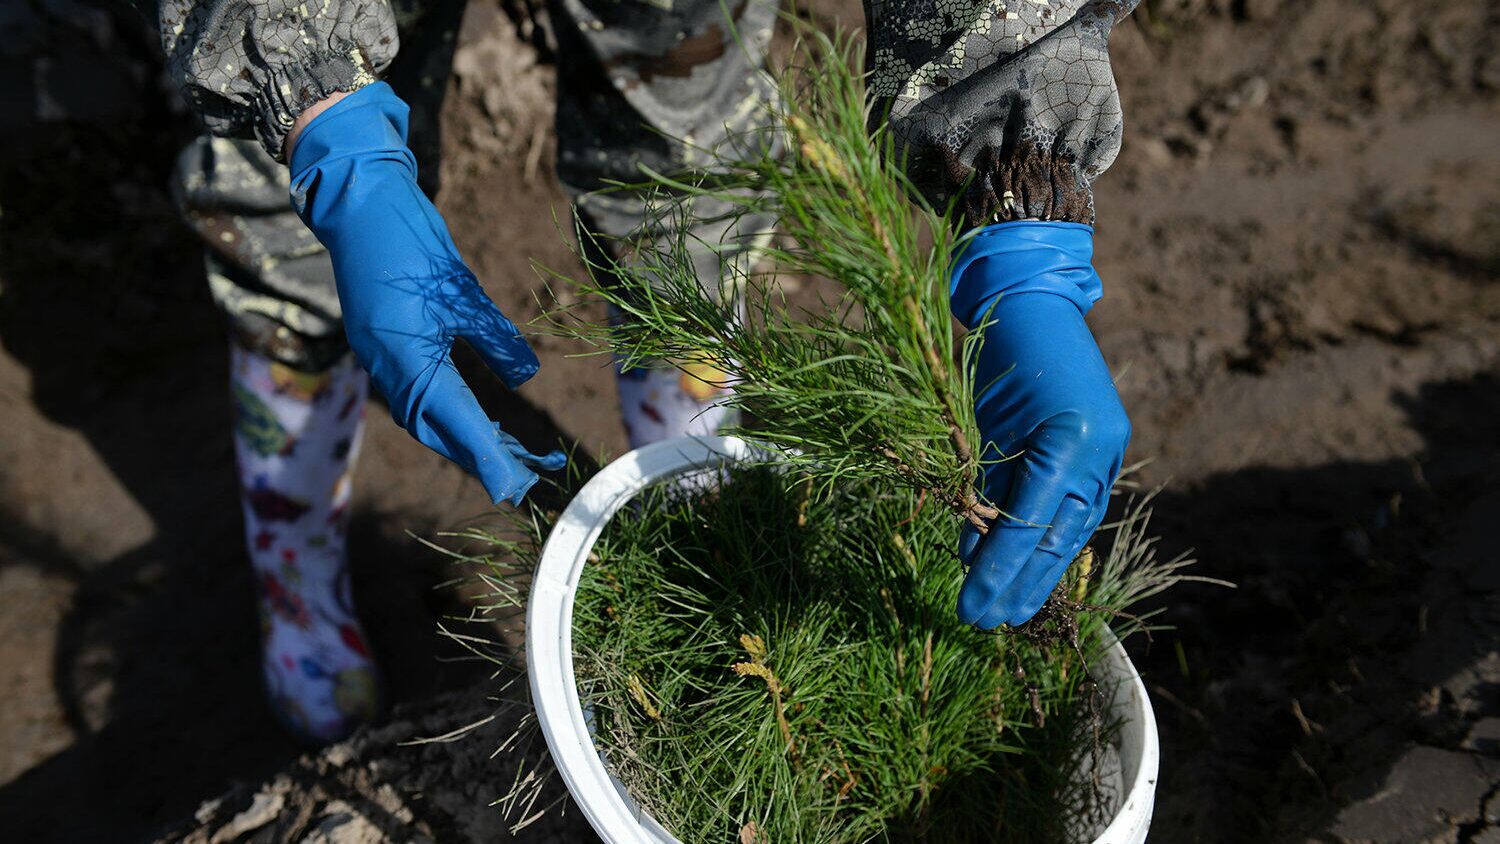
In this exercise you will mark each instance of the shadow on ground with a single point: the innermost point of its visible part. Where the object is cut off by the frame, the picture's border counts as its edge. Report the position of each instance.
(1332, 693)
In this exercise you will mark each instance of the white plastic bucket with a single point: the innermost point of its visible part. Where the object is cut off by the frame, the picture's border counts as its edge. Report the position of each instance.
(554, 690)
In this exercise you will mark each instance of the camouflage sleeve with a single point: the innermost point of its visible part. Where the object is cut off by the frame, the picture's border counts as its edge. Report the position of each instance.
(249, 67)
(1007, 108)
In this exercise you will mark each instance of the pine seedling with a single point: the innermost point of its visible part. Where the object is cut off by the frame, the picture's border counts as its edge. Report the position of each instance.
(757, 654)
(870, 385)
(774, 655)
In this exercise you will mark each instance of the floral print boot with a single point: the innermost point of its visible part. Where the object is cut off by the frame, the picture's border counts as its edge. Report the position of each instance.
(658, 403)
(296, 439)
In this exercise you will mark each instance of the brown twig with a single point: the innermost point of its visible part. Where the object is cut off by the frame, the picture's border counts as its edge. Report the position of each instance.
(966, 505)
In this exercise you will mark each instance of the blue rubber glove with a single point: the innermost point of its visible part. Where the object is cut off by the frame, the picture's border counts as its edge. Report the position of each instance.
(1045, 400)
(405, 292)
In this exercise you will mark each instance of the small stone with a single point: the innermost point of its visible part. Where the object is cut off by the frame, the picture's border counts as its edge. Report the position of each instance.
(1154, 151)
(338, 755)
(342, 824)
(208, 810)
(1252, 93)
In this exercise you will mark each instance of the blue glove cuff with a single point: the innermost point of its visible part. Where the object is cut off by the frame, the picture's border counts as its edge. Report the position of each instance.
(1026, 256)
(370, 120)
(349, 157)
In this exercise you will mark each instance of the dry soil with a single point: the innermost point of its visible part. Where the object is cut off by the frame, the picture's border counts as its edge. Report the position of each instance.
(1300, 244)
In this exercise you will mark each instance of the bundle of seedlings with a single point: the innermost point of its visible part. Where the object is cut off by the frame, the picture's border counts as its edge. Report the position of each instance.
(771, 653)
(870, 382)
(764, 662)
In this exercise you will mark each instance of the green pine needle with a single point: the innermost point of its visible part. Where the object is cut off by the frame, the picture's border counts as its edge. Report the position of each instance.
(872, 385)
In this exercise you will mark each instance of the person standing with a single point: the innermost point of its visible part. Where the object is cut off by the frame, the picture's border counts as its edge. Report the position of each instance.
(325, 251)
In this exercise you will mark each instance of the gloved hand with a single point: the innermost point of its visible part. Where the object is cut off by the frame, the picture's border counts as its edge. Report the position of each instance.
(405, 292)
(1044, 398)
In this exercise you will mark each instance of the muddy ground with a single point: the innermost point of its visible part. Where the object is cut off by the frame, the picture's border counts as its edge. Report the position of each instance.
(1301, 248)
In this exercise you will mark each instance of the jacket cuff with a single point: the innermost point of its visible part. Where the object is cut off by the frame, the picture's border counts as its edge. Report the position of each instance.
(290, 89)
(1028, 256)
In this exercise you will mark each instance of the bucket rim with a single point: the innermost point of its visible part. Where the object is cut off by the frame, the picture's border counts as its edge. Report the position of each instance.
(600, 796)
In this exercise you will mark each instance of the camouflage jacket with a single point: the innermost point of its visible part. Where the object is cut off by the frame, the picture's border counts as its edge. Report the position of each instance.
(1006, 107)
